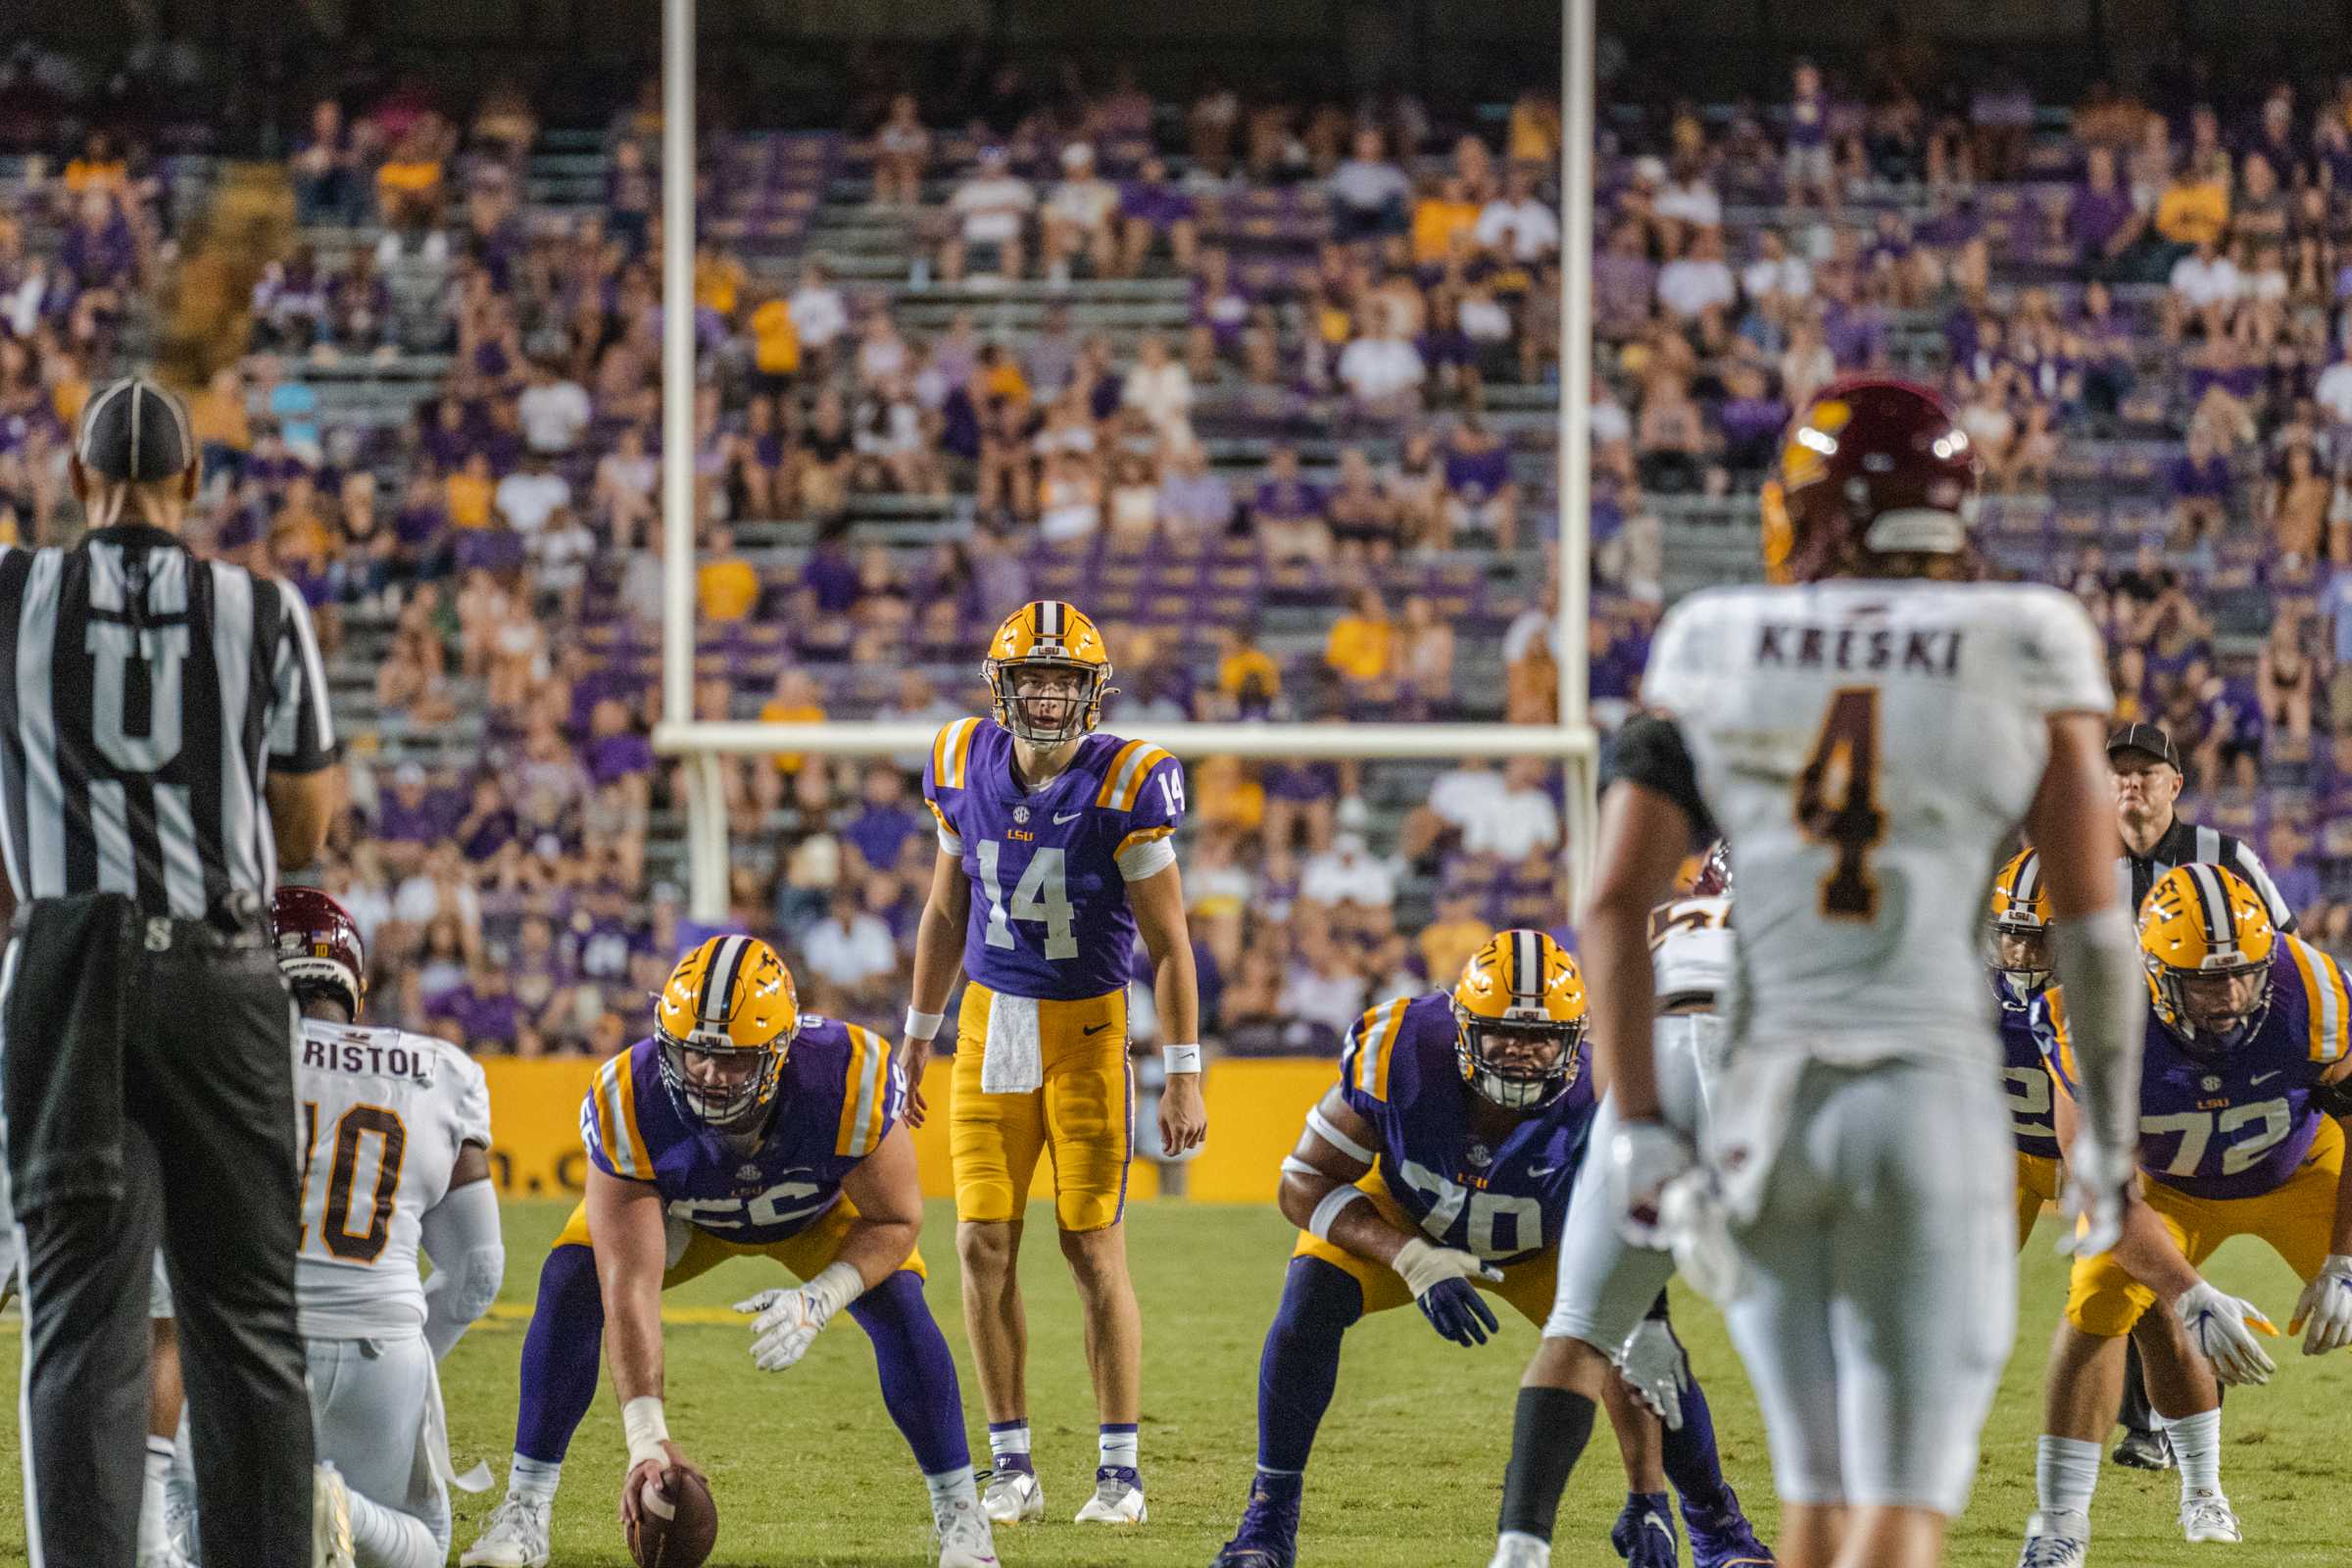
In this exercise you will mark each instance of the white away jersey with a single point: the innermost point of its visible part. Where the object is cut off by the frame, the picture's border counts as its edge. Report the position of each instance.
(1690, 948)
(1864, 746)
(384, 1115)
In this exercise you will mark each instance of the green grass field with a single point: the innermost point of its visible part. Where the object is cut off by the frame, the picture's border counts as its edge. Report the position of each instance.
(809, 1471)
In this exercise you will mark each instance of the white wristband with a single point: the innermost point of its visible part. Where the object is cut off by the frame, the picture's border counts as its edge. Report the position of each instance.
(923, 1026)
(647, 1429)
(836, 1287)
(1335, 1202)
(1181, 1059)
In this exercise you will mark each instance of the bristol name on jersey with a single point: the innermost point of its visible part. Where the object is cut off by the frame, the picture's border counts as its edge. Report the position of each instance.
(1863, 745)
(2026, 1079)
(1400, 1073)
(384, 1115)
(2241, 1125)
(839, 1095)
(1049, 868)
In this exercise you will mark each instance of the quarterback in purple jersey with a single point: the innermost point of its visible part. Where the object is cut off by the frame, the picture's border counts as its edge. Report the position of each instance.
(1055, 854)
(742, 1128)
(1439, 1165)
(2241, 1093)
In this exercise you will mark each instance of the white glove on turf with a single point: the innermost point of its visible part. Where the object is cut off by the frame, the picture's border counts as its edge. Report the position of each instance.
(2326, 1305)
(784, 1323)
(2223, 1329)
(1652, 1367)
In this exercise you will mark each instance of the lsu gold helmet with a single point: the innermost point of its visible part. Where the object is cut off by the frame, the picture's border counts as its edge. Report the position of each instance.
(2207, 940)
(730, 1000)
(1521, 991)
(2016, 934)
(1042, 637)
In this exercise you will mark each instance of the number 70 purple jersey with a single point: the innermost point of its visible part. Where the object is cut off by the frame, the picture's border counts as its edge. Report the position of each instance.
(1048, 868)
(1864, 746)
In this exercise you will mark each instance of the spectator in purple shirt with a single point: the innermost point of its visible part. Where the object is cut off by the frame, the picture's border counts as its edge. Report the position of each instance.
(873, 839)
(2102, 221)
(2197, 483)
(489, 825)
(408, 819)
(100, 252)
(1480, 495)
(1624, 281)
(1288, 512)
(1193, 500)
(1750, 419)
(1153, 206)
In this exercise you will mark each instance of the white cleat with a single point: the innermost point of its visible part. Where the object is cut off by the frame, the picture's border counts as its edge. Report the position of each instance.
(964, 1541)
(1118, 1499)
(1013, 1498)
(2055, 1540)
(330, 1519)
(515, 1538)
(2206, 1519)
(166, 1556)
(1521, 1552)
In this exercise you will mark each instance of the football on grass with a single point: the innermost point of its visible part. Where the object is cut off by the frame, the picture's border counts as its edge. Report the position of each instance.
(677, 1522)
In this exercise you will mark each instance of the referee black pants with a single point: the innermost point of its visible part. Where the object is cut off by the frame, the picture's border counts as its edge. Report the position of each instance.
(148, 1078)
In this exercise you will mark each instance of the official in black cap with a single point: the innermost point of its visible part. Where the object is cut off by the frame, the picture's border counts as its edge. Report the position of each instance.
(165, 744)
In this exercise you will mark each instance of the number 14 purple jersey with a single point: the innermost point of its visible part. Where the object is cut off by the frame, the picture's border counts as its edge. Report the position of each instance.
(1050, 867)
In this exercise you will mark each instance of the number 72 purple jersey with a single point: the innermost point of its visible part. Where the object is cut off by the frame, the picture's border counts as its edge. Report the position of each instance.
(1050, 867)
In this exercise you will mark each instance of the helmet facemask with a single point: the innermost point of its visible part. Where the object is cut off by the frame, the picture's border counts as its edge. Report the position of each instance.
(2213, 1011)
(2018, 951)
(1047, 702)
(722, 1101)
(1523, 1061)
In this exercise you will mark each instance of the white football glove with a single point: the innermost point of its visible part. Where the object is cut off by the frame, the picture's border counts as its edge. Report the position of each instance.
(1643, 1157)
(2326, 1304)
(2090, 1207)
(1697, 1230)
(784, 1323)
(2223, 1329)
(1652, 1365)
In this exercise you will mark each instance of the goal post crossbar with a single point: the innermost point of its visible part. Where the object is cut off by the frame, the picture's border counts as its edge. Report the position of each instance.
(1314, 742)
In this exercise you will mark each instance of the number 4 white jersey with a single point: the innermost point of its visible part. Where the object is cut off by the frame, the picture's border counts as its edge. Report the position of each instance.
(383, 1114)
(1865, 747)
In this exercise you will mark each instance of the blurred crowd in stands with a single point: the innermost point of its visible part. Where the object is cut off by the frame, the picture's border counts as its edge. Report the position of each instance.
(1268, 385)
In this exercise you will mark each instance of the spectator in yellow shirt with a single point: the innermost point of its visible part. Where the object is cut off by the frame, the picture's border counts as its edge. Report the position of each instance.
(99, 168)
(795, 703)
(718, 279)
(220, 422)
(1437, 218)
(2196, 207)
(409, 180)
(1224, 795)
(468, 493)
(725, 585)
(1362, 647)
(1449, 940)
(1246, 673)
(775, 343)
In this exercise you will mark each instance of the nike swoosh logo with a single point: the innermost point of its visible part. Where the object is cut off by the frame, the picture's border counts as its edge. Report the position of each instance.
(1060, 818)
(1095, 1028)
(1539, 1172)
(1654, 1522)
(2266, 1077)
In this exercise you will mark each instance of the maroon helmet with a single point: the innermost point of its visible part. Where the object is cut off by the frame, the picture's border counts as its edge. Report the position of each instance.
(1714, 879)
(1870, 466)
(319, 946)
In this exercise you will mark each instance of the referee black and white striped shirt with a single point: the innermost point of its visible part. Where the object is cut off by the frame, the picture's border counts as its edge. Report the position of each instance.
(144, 696)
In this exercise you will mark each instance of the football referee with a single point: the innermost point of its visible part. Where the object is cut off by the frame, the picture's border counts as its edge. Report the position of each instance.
(165, 744)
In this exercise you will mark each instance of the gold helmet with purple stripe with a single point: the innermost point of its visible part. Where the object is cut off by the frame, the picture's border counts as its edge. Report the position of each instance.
(1048, 671)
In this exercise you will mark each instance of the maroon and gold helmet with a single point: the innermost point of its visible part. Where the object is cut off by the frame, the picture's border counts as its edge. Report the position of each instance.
(1871, 467)
(319, 946)
(1714, 879)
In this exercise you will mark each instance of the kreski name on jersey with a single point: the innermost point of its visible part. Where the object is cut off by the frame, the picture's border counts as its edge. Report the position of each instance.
(1860, 650)
(1400, 1073)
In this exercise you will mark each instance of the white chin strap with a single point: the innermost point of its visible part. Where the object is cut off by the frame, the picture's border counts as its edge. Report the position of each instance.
(1916, 531)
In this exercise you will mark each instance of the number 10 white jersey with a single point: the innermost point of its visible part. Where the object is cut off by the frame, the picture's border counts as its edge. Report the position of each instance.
(1866, 747)
(382, 1114)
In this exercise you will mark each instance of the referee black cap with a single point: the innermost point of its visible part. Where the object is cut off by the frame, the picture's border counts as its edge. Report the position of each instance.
(134, 431)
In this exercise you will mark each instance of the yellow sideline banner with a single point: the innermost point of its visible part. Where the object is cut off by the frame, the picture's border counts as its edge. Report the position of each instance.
(1254, 1112)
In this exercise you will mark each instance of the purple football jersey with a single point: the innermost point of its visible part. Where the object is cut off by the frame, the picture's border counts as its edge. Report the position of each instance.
(1399, 1072)
(841, 1093)
(2241, 1124)
(1049, 868)
(2026, 1078)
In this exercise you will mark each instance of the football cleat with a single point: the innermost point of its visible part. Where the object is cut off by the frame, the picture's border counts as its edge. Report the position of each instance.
(1645, 1536)
(1237, 1553)
(2055, 1540)
(2206, 1519)
(1012, 1497)
(1521, 1552)
(330, 1519)
(166, 1556)
(1268, 1534)
(964, 1536)
(515, 1537)
(1118, 1498)
(2144, 1450)
(1725, 1539)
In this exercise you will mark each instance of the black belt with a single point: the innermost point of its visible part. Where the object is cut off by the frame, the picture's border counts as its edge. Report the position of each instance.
(234, 923)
